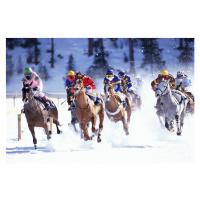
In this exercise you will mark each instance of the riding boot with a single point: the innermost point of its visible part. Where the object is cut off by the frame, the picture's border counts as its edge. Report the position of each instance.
(46, 103)
(72, 106)
(98, 102)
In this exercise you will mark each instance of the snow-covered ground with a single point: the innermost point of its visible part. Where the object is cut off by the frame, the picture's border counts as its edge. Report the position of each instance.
(147, 142)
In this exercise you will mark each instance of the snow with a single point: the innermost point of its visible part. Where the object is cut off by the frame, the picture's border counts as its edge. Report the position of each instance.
(147, 142)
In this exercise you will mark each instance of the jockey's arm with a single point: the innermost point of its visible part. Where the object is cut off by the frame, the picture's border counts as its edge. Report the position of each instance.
(117, 86)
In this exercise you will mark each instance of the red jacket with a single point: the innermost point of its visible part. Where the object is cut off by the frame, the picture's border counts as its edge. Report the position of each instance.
(87, 81)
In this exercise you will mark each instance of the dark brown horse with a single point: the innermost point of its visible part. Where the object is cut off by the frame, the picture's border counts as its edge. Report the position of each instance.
(87, 111)
(36, 114)
(134, 97)
(114, 108)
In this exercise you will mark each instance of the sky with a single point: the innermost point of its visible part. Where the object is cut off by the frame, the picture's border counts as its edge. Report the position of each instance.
(82, 19)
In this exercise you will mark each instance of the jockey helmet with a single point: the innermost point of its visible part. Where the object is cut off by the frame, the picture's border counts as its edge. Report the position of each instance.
(27, 70)
(110, 74)
(121, 74)
(71, 73)
(138, 77)
(164, 72)
(79, 73)
(180, 74)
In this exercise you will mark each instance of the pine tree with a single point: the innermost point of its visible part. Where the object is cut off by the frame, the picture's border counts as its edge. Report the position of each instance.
(43, 73)
(31, 44)
(131, 56)
(9, 67)
(52, 60)
(20, 66)
(90, 46)
(71, 64)
(152, 54)
(186, 52)
(100, 64)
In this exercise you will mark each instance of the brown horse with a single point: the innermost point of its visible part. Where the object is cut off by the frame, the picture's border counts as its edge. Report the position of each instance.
(36, 114)
(190, 104)
(134, 97)
(86, 111)
(114, 108)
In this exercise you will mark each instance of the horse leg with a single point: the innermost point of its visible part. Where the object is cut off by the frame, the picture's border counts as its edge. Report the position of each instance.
(85, 131)
(31, 128)
(177, 117)
(47, 131)
(128, 110)
(94, 120)
(125, 125)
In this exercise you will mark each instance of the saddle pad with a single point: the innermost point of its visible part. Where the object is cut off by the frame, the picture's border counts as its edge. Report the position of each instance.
(178, 97)
(120, 97)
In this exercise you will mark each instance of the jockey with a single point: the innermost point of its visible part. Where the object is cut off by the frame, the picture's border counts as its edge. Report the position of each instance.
(183, 83)
(128, 83)
(111, 78)
(154, 84)
(138, 82)
(88, 85)
(29, 77)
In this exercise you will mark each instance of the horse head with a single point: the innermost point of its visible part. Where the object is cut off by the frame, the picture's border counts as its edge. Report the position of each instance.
(162, 88)
(27, 92)
(108, 89)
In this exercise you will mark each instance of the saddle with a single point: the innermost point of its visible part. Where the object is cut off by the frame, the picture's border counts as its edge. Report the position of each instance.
(94, 97)
(52, 105)
(178, 97)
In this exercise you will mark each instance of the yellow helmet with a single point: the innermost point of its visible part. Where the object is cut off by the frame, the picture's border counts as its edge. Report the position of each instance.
(164, 72)
(71, 73)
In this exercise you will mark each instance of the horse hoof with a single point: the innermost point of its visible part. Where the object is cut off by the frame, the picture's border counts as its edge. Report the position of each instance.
(35, 146)
(127, 133)
(179, 133)
(50, 132)
(48, 137)
(98, 138)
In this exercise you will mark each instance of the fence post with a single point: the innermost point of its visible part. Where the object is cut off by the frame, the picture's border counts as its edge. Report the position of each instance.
(19, 127)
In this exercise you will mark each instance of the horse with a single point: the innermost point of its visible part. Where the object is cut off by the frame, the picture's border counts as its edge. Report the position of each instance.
(87, 111)
(189, 96)
(114, 108)
(36, 114)
(172, 108)
(74, 119)
(135, 99)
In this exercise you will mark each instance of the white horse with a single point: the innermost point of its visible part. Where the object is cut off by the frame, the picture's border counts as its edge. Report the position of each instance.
(173, 108)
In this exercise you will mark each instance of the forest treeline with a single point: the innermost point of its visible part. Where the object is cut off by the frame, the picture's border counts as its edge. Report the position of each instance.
(152, 54)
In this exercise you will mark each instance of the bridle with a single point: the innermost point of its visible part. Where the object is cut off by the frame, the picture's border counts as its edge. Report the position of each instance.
(163, 91)
(79, 90)
(27, 96)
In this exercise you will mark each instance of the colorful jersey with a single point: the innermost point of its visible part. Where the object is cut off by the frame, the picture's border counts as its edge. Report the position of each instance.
(115, 81)
(159, 79)
(128, 81)
(87, 81)
(35, 80)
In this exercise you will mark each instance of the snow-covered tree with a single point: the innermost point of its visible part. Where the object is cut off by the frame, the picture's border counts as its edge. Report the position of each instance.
(152, 54)
(9, 67)
(20, 66)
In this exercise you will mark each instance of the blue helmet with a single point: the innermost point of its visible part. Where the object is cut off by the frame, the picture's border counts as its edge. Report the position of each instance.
(121, 74)
(110, 71)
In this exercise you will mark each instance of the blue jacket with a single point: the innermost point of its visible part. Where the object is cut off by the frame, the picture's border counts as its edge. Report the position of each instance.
(128, 81)
(68, 83)
(115, 81)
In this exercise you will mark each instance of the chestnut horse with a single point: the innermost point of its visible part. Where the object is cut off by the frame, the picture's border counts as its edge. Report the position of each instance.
(114, 108)
(86, 111)
(136, 101)
(36, 114)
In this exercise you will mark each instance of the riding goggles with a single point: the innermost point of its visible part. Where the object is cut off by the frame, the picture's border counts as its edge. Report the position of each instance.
(121, 76)
(180, 76)
(70, 77)
(109, 76)
(28, 76)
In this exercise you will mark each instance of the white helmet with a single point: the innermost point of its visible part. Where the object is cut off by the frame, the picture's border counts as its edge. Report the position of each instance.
(138, 77)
